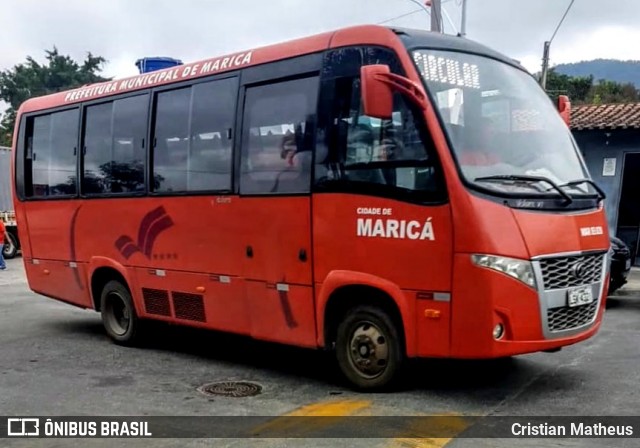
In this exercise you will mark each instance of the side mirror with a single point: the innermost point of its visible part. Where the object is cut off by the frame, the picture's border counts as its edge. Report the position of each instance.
(564, 107)
(378, 85)
(377, 96)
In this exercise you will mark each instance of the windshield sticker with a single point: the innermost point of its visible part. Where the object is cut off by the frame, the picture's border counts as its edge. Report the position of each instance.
(447, 70)
(392, 228)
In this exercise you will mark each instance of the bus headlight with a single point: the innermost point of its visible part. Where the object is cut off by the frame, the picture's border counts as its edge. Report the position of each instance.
(519, 269)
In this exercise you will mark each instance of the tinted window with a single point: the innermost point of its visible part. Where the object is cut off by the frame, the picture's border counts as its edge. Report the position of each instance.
(357, 152)
(51, 158)
(170, 153)
(277, 139)
(114, 146)
(193, 137)
(385, 152)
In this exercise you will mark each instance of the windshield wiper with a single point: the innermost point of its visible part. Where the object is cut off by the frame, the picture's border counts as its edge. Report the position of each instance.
(527, 178)
(585, 181)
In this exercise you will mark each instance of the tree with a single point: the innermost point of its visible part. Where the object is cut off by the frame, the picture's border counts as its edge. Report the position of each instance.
(31, 79)
(577, 87)
(583, 89)
(613, 92)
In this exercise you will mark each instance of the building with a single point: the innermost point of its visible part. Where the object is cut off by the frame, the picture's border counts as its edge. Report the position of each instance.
(609, 138)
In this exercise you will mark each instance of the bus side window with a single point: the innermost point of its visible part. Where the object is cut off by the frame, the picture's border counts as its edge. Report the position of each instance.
(392, 154)
(212, 118)
(114, 150)
(51, 160)
(393, 157)
(193, 137)
(277, 141)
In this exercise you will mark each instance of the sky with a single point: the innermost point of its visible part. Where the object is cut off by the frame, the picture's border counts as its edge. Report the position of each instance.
(123, 31)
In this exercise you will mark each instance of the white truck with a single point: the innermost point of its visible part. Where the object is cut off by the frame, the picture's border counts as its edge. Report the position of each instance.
(11, 244)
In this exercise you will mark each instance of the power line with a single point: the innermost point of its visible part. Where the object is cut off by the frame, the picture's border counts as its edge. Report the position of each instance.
(425, 9)
(562, 20)
(545, 51)
(401, 16)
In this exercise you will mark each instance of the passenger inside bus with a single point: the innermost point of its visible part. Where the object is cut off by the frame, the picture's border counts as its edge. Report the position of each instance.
(288, 149)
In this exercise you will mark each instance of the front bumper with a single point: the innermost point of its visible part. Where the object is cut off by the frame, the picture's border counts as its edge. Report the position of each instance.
(533, 319)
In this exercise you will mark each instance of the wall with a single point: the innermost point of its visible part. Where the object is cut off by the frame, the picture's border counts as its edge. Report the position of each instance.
(597, 145)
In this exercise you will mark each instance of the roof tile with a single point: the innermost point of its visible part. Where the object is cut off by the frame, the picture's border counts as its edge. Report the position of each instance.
(605, 116)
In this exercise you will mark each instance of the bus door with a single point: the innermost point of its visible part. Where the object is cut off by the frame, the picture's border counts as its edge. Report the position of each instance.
(380, 208)
(275, 217)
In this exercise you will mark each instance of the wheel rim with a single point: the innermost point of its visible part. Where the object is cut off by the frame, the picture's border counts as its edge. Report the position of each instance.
(118, 313)
(8, 246)
(368, 350)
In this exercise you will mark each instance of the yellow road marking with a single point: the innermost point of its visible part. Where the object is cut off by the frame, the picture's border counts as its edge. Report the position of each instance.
(337, 408)
(297, 428)
(417, 433)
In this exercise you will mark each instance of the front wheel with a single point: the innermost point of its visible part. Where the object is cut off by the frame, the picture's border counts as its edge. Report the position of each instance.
(369, 348)
(10, 247)
(118, 313)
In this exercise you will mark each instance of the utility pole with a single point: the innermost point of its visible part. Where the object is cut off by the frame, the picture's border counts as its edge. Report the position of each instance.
(545, 51)
(436, 15)
(545, 64)
(463, 20)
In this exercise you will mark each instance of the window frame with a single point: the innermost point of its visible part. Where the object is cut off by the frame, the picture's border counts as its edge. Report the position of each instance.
(314, 74)
(81, 153)
(331, 140)
(234, 131)
(261, 73)
(22, 151)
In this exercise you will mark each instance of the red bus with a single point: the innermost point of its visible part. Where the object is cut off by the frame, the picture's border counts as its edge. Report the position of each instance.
(384, 193)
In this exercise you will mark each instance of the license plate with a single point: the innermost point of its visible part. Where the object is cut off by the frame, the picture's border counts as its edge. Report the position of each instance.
(627, 263)
(580, 296)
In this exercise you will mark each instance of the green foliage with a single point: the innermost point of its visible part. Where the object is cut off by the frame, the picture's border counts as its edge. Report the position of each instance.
(32, 79)
(583, 89)
(577, 87)
(612, 92)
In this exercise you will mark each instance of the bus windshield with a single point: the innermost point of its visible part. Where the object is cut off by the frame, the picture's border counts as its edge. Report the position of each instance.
(504, 130)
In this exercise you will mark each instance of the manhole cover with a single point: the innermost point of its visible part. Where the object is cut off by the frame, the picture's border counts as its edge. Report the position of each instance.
(234, 389)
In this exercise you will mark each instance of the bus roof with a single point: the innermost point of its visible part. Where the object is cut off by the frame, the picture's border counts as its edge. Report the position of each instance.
(413, 38)
(356, 35)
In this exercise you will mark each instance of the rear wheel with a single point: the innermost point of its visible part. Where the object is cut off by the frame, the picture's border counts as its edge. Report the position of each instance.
(369, 348)
(10, 248)
(118, 313)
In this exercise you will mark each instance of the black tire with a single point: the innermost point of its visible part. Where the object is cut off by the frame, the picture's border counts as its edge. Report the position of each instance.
(10, 247)
(118, 313)
(368, 337)
(614, 285)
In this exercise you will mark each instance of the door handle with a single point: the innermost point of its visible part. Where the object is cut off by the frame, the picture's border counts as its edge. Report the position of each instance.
(249, 251)
(302, 255)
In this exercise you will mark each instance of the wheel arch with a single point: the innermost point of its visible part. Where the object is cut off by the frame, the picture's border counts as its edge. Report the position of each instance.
(342, 290)
(101, 271)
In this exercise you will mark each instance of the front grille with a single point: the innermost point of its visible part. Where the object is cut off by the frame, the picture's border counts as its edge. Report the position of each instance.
(566, 318)
(560, 272)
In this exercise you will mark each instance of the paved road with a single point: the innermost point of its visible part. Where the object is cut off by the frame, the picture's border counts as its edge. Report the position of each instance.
(56, 360)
